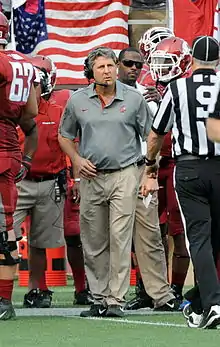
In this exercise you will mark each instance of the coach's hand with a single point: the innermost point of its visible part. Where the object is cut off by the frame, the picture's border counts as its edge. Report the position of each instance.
(152, 94)
(149, 185)
(85, 168)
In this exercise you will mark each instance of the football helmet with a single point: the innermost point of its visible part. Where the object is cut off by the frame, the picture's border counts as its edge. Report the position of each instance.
(150, 39)
(47, 72)
(170, 59)
(4, 29)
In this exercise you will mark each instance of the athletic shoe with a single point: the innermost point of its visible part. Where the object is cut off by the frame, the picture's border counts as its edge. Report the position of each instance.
(37, 298)
(171, 305)
(139, 302)
(96, 310)
(194, 320)
(6, 309)
(211, 318)
(44, 299)
(115, 311)
(187, 310)
(83, 298)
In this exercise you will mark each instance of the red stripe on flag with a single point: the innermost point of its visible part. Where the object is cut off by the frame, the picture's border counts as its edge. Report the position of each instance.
(70, 67)
(66, 80)
(84, 6)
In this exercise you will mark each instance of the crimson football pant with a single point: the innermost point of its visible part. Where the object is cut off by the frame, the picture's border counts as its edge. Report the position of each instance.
(9, 168)
(168, 206)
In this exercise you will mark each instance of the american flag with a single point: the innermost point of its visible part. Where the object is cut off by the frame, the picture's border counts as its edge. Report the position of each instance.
(67, 30)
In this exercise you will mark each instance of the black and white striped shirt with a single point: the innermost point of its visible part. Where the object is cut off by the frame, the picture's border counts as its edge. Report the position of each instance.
(184, 109)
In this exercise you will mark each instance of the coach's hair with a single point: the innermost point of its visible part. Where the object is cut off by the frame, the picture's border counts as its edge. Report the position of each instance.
(100, 52)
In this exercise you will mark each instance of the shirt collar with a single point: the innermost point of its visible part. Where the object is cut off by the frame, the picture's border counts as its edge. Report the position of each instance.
(204, 71)
(119, 91)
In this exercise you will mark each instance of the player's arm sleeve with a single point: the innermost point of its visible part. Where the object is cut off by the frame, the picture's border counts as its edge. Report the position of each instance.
(164, 118)
(30, 109)
(68, 125)
(144, 119)
(214, 106)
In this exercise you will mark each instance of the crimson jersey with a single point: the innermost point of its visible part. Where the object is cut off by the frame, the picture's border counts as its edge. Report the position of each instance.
(16, 77)
(48, 158)
(60, 97)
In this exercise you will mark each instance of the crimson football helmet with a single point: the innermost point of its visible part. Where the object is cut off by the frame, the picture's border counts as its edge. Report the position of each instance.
(150, 39)
(4, 29)
(170, 59)
(48, 72)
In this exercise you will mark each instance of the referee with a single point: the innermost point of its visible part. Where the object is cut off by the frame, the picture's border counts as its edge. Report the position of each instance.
(185, 109)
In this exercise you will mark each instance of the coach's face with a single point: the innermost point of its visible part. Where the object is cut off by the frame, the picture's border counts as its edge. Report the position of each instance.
(105, 70)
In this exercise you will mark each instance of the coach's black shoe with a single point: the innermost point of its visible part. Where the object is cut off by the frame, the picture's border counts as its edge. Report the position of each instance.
(139, 302)
(6, 309)
(83, 298)
(96, 310)
(211, 318)
(115, 311)
(172, 306)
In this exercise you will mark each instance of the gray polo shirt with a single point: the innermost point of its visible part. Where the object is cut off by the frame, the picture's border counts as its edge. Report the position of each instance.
(109, 137)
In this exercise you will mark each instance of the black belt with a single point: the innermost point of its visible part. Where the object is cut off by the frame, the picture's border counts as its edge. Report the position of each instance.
(193, 157)
(42, 178)
(106, 171)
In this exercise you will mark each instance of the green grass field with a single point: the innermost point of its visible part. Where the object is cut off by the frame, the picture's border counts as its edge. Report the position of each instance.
(62, 326)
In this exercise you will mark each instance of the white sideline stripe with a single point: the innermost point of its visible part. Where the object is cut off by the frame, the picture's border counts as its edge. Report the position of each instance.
(137, 322)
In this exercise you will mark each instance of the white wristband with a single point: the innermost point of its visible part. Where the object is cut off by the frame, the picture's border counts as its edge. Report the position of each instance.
(76, 179)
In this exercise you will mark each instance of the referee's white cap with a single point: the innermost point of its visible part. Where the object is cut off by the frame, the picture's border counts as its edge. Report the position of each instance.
(205, 48)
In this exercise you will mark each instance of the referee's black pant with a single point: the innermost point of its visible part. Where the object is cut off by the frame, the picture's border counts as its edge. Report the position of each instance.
(197, 184)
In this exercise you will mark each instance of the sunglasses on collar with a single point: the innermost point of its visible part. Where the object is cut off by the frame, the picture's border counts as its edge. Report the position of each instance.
(130, 63)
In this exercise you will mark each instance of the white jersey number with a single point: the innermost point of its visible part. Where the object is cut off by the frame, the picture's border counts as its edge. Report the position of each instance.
(21, 82)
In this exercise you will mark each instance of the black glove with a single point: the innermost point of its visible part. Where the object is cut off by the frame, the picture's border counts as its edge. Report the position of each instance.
(25, 167)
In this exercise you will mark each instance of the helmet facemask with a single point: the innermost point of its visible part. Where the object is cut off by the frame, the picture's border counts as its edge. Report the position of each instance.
(165, 66)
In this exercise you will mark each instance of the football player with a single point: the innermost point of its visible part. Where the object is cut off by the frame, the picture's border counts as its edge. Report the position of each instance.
(18, 106)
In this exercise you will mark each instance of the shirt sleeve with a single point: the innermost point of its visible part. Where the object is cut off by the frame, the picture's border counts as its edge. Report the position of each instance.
(144, 119)
(68, 125)
(214, 106)
(164, 117)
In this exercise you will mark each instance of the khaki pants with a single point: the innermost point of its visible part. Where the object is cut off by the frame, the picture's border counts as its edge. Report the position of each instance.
(150, 251)
(106, 219)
